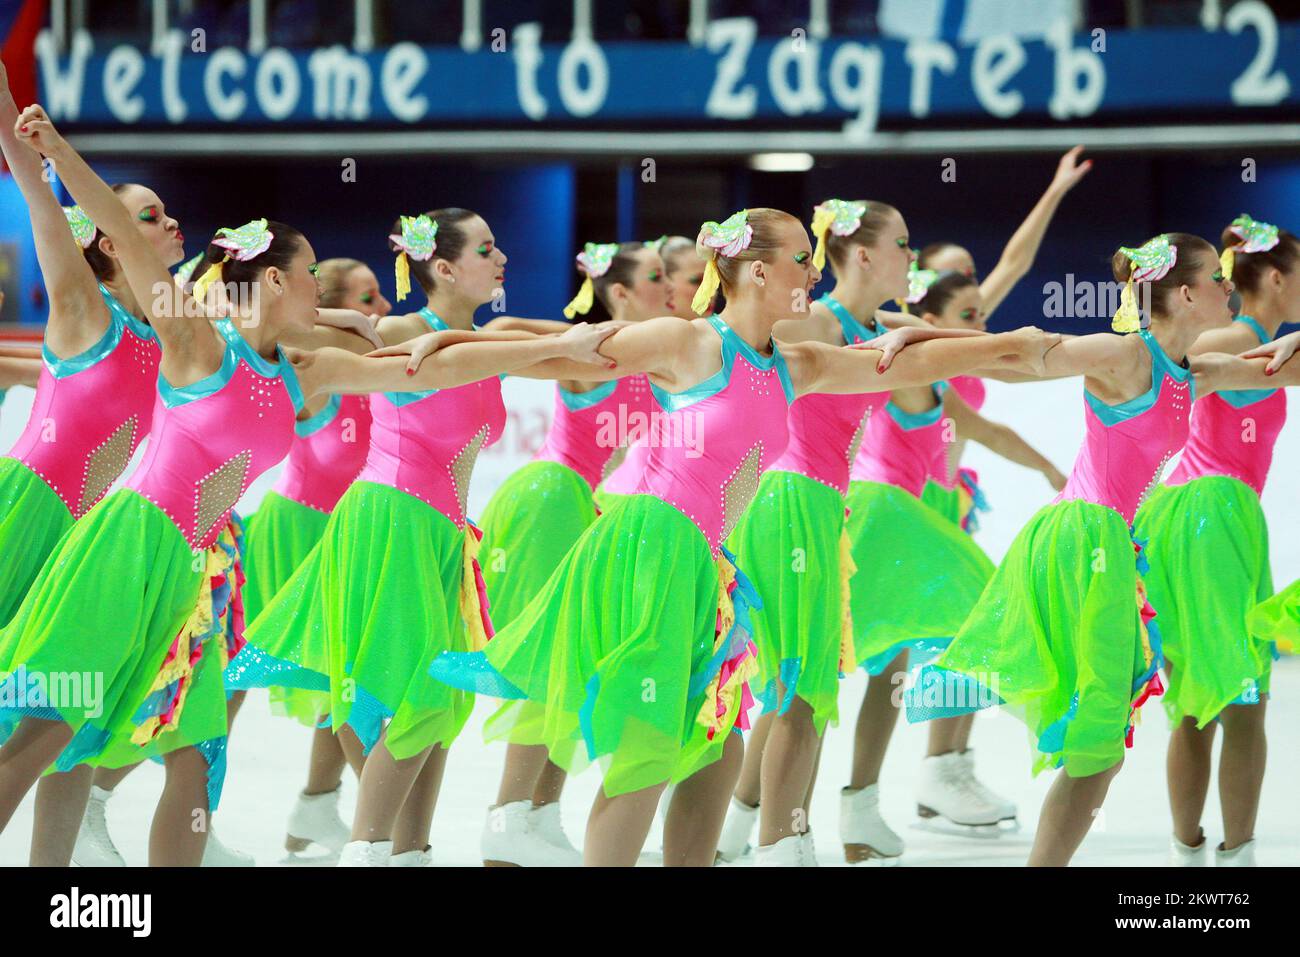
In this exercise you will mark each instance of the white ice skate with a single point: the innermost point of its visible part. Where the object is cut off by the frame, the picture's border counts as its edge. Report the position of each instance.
(867, 839)
(948, 803)
(1243, 855)
(736, 832)
(366, 854)
(94, 847)
(1006, 808)
(216, 854)
(510, 840)
(315, 820)
(422, 858)
(545, 822)
(1187, 855)
(793, 851)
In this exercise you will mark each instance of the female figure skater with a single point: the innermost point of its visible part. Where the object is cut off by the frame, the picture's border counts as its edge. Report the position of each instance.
(1207, 543)
(398, 540)
(532, 521)
(157, 557)
(1064, 627)
(638, 644)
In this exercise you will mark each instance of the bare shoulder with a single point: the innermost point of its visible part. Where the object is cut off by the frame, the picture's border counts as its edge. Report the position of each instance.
(395, 330)
(819, 325)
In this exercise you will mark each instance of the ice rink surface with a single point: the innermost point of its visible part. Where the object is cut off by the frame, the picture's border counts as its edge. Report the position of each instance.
(268, 755)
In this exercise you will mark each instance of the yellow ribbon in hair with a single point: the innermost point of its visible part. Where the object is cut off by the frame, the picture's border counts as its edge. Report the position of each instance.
(403, 271)
(470, 608)
(211, 275)
(581, 303)
(1127, 317)
(821, 224)
(708, 287)
(1227, 259)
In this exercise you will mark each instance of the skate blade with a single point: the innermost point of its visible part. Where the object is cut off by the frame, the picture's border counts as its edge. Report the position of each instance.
(499, 864)
(935, 823)
(865, 855)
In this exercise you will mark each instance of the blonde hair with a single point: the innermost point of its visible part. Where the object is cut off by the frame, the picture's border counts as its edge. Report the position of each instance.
(839, 248)
(764, 243)
(333, 276)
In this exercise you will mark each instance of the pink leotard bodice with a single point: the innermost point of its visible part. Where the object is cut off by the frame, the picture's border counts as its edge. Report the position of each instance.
(899, 447)
(707, 448)
(589, 427)
(212, 438)
(826, 430)
(1233, 433)
(971, 389)
(622, 480)
(1126, 446)
(328, 452)
(426, 443)
(92, 411)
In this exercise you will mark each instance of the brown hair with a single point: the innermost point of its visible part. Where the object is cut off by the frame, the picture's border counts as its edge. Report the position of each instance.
(285, 243)
(1192, 253)
(839, 248)
(763, 244)
(333, 275)
(450, 242)
(942, 291)
(622, 269)
(101, 263)
(672, 250)
(1249, 269)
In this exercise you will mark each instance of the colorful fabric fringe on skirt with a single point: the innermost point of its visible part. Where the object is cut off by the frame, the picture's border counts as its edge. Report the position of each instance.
(918, 575)
(124, 636)
(960, 504)
(1278, 619)
(1063, 637)
(793, 542)
(281, 534)
(391, 584)
(638, 648)
(32, 520)
(1208, 549)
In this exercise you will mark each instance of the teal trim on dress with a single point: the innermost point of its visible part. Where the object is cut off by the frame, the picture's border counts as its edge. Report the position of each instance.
(1240, 398)
(732, 346)
(577, 401)
(400, 399)
(119, 320)
(910, 421)
(237, 349)
(305, 427)
(1161, 366)
(849, 326)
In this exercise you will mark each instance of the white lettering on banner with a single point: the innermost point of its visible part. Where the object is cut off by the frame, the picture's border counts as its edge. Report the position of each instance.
(172, 47)
(864, 96)
(736, 36)
(923, 56)
(63, 91)
(805, 96)
(225, 61)
(579, 55)
(1257, 86)
(123, 69)
(404, 67)
(1070, 97)
(997, 60)
(527, 54)
(340, 84)
(277, 68)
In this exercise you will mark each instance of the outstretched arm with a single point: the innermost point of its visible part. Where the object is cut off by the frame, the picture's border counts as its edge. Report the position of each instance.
(815, 367)
(999, 438)
(1217, 371)
(15, 371)
(1022, 248)
(69, 280)
(150, 282)
(518, 324)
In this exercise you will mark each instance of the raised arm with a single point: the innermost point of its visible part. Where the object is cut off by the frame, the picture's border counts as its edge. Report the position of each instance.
(999, 439)
(69, 281)
(1022, 247)
(815, 367)
(150, 282)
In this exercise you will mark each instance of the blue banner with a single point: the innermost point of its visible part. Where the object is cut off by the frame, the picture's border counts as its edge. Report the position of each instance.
(733, 76)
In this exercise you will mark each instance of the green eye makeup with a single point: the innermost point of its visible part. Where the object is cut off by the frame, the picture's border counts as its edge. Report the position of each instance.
(149, 214)
(314, 269)
(802, 258)
(367, 298)
(902, 243)
(655, 275)
(484, 249)
(1218, 275)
